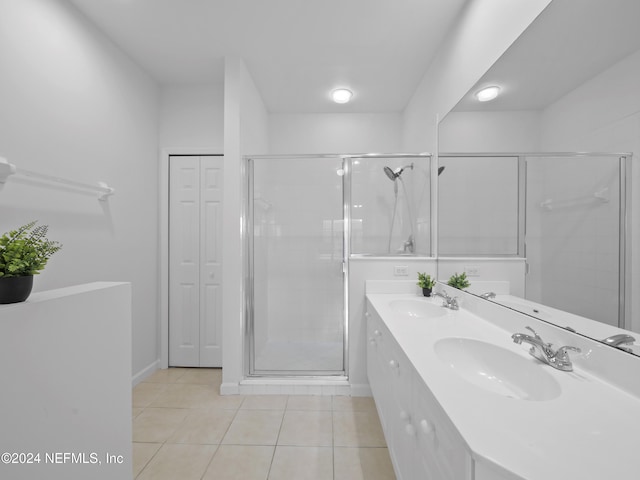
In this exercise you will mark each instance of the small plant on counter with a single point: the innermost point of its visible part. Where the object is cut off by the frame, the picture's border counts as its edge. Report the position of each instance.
(459, 281)
(426, 283)
(23, 253)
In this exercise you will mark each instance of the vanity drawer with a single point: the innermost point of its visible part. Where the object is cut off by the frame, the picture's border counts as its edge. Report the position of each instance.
(441, 451)
(375, 373)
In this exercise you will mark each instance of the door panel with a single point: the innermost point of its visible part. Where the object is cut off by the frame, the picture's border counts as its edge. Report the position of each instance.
(195, 266)
(211, 261)
(183, 261)
(297, 237)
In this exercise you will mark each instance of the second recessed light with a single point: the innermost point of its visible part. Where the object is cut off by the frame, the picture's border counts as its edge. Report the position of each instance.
(487, 94)
(341, 95)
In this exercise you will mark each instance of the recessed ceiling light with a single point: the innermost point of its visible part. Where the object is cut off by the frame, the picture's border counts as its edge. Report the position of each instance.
(487, 94)
(341, 95)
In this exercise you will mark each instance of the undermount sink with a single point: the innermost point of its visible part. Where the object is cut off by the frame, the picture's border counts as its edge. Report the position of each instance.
(417, 308)
(497, 369)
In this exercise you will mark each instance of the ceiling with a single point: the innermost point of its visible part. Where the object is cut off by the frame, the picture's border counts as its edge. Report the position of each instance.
(570, 42)
(297, 51)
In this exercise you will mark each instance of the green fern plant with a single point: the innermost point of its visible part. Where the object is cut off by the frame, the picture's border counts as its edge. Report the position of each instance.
(425, 281)
(459, 281)
(25, 251)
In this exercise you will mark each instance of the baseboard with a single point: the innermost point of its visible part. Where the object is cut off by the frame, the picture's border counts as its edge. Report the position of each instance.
(361, 390)
(145, 373)
(229, 389)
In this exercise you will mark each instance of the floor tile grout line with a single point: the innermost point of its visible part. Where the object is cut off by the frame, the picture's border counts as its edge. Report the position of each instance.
(333, 442)
(204, 472)
(273, 455)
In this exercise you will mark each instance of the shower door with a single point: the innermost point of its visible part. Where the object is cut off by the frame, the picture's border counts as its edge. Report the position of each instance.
(296, 285)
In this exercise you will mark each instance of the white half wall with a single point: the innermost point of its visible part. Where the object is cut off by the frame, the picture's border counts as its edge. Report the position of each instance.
(74, 106)
(360, 271)
(68, 358)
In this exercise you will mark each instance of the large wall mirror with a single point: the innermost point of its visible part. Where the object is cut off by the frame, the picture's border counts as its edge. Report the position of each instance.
(541, 176)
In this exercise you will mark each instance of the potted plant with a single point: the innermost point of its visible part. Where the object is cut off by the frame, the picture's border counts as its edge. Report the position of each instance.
(459, 281)
(426, 283)
(23, 253)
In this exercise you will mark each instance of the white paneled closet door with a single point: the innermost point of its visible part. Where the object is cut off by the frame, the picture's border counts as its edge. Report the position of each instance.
(195, 261)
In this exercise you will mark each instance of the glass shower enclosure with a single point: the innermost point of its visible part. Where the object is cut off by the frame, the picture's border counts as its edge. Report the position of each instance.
(305, 216)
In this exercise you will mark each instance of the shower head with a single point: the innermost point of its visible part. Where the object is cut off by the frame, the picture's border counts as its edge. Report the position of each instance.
(440, 170)
(390, 174)
(393, 174)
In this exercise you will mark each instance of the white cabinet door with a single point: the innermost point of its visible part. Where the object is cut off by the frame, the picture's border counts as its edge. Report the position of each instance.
(195, 265)
(442, 454)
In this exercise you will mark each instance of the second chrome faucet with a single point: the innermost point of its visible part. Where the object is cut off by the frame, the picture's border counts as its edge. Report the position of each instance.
(448, 302)
(544, 352)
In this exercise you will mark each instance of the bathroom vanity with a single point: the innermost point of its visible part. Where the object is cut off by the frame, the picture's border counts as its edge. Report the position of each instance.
(458, 399)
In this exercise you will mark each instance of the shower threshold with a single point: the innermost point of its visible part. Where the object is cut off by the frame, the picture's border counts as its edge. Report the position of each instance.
(288, 385)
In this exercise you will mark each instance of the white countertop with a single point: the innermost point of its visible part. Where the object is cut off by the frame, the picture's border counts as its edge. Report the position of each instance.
(588, 432)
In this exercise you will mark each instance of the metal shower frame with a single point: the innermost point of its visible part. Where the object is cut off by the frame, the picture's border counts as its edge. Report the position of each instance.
(247, 240)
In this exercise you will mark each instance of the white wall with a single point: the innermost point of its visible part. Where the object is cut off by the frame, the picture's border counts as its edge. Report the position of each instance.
(361, 270)
(603, 114)
(72, 105)
(485, 30)
(508, 131)
(503, 275)
(245, 132)
(335, 133)
(192, 116)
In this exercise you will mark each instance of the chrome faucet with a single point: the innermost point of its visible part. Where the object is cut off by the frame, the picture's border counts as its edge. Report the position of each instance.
(544, 351)
(488, 295)
(620, 341)
(448, 302)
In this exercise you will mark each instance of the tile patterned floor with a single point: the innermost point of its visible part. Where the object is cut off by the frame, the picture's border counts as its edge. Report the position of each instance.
(183, 429)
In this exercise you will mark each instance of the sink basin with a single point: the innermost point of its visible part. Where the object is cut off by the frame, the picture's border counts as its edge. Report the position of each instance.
(497, 369)
(417, 308)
